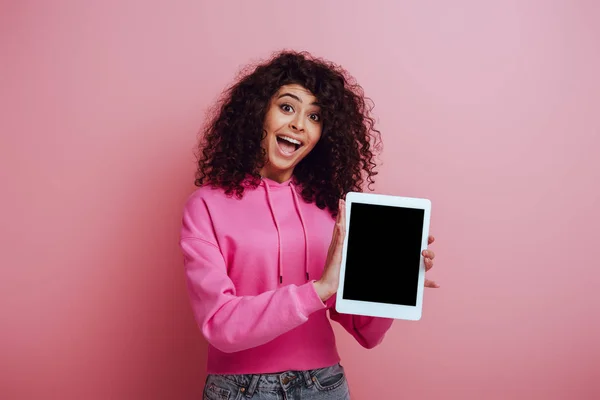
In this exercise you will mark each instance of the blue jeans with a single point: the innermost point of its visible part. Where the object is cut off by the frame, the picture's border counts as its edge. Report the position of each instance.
(318, 384)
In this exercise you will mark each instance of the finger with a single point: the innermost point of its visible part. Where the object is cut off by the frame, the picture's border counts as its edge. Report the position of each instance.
(337, 219)
(428, 264)
(334, 254)
(338, 227)
(430, 239)
(340, 234)
(431, 284)
(337, 257)
(343, 215)
(337, 238)
(428, 254)
(333, 243)
(341, 231)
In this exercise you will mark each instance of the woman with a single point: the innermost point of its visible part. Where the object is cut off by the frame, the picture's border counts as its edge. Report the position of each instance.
(287, 142)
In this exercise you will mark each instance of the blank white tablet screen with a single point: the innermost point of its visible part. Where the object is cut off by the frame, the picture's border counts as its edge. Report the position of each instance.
(383, 254)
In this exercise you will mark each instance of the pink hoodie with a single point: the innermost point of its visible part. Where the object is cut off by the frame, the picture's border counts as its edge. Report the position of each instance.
(250, 264)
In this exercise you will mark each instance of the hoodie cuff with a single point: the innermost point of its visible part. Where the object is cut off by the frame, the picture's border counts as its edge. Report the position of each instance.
(309, 299)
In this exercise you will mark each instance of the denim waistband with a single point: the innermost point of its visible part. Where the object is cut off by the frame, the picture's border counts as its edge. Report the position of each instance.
(270, 382)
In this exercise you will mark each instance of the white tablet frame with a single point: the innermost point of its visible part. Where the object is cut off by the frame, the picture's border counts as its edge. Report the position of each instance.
(384, 310)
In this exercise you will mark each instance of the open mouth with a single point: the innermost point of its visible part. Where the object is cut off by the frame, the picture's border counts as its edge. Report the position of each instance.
(288, 145)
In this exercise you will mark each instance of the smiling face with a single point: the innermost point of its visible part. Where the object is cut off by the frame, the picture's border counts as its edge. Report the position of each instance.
(293, 128)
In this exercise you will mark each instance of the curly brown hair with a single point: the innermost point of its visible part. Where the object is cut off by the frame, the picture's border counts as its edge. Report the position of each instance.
(231, 155)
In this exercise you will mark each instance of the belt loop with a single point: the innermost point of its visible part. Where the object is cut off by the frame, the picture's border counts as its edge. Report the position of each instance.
(307, 378)
(252, 386)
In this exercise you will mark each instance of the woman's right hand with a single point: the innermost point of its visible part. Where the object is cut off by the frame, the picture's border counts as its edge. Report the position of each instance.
(327, 285)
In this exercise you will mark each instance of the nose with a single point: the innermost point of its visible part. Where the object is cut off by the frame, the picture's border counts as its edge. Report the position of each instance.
(297, 123)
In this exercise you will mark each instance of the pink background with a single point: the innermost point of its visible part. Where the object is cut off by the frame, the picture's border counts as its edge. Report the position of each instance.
(490, 109)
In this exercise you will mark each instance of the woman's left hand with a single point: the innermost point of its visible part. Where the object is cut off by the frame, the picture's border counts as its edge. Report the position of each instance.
(429, 256)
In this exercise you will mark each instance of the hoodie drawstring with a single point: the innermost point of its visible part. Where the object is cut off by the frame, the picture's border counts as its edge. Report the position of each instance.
(280, 253)
(295, 195)
(279, 247)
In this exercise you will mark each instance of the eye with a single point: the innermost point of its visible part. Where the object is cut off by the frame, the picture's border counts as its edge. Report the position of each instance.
(315, 117)
(286, 108)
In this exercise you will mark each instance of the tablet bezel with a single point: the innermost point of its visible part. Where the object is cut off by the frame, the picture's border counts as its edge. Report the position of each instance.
(373, 309)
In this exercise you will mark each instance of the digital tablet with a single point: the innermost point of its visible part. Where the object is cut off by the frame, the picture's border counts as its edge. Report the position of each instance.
(383, 271)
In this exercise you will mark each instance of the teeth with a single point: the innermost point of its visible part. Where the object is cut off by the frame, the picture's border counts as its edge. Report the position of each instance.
(289, 139)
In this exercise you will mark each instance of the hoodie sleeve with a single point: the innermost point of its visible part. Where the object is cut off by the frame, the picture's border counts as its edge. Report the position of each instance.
(368, 331)
(230, 322)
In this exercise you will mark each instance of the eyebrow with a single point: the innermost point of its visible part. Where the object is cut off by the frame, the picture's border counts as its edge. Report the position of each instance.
(293, 96)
